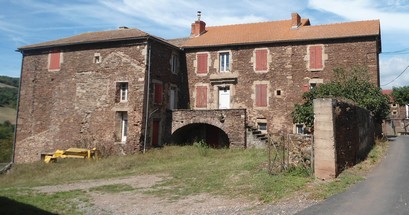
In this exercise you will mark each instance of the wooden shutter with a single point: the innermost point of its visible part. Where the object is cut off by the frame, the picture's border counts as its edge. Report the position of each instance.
(261, 95)
(315, 57)
(201, 96)
(54, 62)
(261, 60)
(201, 63)
(158, 93)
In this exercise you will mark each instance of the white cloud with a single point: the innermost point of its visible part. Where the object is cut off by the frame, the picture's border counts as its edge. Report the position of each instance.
(389, 12)
(391, 68)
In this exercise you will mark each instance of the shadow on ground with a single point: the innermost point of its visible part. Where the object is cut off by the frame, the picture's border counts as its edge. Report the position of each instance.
(11, 207)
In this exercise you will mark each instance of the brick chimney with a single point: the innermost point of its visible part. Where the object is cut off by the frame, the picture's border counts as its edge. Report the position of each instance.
(295, 20)
(198, 27)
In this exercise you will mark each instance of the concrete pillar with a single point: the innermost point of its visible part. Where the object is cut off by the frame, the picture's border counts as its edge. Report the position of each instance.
(325, 166)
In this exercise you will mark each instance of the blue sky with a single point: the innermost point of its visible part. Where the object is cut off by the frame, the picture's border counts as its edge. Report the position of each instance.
(24, 22)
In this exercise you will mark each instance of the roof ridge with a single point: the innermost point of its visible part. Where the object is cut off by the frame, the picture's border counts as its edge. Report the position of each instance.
(250, 23)
(340, 23)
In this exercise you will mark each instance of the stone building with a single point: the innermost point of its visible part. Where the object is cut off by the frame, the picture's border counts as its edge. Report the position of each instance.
(227, 85)
(397, 122)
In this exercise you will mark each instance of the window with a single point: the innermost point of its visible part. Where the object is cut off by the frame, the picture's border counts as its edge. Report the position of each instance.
(54, 60)
(158, 93)
(122, 126)
(261, 95)
(97, 58)
(224, 62)
(261, 60)
(124, 91)
(173, 101)
(262, 126)
(394, 105)
(156, 132)
(174, 63)
(202, 63)
(299, 128)
(278, 92)
(315, 57)
(201, 96)
(313, 86)
(121, 92)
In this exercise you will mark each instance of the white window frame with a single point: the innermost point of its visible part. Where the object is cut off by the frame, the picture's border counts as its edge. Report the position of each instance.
(124, 126)
(224, 59)
(174, 63)
(299, 126)
(123, 91)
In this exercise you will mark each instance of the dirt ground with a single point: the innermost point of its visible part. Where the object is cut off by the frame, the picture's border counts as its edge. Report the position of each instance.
(137, 202)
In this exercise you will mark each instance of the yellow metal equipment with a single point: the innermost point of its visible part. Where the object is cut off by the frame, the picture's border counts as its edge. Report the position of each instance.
(69, 153)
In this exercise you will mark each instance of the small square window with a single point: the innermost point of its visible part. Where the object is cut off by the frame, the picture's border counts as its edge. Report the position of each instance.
(262, 126)
(278, 92)
(225, 62)
(299, 128)
(97, 58)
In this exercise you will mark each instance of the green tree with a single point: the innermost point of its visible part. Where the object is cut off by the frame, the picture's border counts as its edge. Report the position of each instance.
(6, 141)
(401, 95)
(352, 85)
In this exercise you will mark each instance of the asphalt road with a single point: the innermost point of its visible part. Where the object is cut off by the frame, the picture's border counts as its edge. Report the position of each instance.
(385, 191)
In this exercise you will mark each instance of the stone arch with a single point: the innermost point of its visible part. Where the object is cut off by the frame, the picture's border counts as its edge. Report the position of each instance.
(213, 136)
(228, 122)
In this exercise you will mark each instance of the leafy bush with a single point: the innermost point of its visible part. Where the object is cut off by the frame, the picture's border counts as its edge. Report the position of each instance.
(6, 141)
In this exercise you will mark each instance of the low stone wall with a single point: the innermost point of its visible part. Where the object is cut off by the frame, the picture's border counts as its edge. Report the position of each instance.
(343, 136)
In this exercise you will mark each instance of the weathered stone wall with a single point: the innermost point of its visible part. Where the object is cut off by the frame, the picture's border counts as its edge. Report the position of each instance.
(287, 75)
(78, 105)
(343, 135)
(231, 121)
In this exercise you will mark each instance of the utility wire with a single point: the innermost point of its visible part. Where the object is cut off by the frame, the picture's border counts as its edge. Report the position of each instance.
(397, 76)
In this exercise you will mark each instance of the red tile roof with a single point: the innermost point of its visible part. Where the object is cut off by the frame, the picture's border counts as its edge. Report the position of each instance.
(280, 31)
(92, 37)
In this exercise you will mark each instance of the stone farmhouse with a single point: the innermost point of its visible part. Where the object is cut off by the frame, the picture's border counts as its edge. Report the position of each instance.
(397, 122)
(126, 91)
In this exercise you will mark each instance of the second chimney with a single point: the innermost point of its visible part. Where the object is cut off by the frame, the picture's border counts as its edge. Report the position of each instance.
(295, 20)
(198, 27)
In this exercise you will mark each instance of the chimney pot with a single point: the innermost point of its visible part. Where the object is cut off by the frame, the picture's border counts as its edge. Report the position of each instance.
(198, 27)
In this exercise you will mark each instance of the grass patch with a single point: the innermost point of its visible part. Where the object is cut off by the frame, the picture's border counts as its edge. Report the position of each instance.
(8, 114)
(113, 188)
(239, 173)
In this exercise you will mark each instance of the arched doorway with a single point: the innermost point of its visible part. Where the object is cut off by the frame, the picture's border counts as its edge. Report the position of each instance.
(211, 135)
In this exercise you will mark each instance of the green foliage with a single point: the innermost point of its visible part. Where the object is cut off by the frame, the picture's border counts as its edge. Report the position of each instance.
(401, 95)
(202, 147)
(6, 141)
(10, 81)
(352, 85)
(8, 97)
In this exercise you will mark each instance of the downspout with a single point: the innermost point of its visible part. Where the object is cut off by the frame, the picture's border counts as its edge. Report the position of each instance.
(147, 99)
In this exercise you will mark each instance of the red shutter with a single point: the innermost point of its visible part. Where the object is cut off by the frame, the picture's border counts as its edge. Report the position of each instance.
(158, 93)
(261, 95)
(306, 88)
(54, 60)
(201, 96)
(261, 60)
(315, 57)
(201, 63)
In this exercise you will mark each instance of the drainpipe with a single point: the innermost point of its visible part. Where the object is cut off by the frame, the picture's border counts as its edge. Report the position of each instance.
(147, 99)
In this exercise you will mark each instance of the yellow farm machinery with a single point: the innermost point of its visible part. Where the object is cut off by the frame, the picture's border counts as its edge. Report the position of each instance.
(69, 153)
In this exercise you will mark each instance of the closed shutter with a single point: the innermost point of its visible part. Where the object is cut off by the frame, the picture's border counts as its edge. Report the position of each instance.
(261, 95)
(201, 63)
(54, 60)
(158, 93)
(201, 96)
(315, 57)
(155, 133)
(261, 60)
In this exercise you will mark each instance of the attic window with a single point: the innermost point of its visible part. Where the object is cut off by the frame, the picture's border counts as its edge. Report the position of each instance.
(97, 58)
